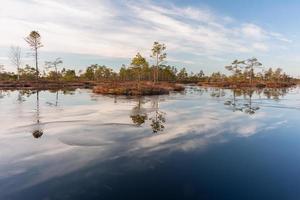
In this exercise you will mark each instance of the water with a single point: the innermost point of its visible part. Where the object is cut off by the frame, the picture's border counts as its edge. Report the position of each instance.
(200, 144)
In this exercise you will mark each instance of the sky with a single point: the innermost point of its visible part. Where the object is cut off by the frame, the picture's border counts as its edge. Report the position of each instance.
(199, 34)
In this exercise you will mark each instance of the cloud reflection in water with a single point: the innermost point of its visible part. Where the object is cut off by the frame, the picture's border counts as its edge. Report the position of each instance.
(88, 128)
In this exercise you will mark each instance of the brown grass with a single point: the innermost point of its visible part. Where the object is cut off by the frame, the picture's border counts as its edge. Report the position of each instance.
(228, 84)
(45, 85)
(131, 88)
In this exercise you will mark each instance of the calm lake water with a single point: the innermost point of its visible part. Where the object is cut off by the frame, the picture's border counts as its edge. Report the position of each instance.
(200, 144)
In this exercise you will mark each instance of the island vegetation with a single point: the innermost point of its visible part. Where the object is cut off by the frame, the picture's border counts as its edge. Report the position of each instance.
(138, 78)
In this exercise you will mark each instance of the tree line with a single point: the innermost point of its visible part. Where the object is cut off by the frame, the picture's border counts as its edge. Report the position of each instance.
(249, 70)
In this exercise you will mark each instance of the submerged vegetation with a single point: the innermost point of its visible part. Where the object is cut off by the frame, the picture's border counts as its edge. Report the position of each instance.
(139, 78)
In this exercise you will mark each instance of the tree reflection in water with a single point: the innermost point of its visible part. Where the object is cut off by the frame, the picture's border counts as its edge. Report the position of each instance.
(138, 120)
(195, 90)
(37, 132)
(157, 119)
(55, 104)
(217, 92)
(24, 93)
(3, 93)
(248, 107)
(20, 98)
(138, 114)
(275, 94)
(234, 103)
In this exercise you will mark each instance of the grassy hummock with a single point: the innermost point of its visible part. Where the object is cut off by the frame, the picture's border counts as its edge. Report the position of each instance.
(233, 85)
(133, 88)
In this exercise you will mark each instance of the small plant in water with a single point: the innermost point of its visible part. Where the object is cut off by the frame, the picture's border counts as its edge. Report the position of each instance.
(37, 133)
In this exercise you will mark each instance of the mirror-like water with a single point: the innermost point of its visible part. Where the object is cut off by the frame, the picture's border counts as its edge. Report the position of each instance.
(200, 144)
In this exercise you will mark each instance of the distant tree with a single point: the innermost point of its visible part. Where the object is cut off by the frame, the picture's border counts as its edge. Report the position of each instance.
(101, 72)
(34, 41)
(53, 65)
(277, 74)
(217, 77)
(123, 73)
(201, 74)
(1, 72)
(182, 75)
(52, 75)
(15, 58)
(268, 74)
(251, 64)
(138, 63)
(159, 56)
(90, 73)
(27, 73)
(6, 76)
(1, 68)
(235, 68)
(248, 65)
(69, 75)
(167, 73)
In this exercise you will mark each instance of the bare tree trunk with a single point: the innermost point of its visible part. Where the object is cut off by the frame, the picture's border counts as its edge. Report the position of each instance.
(18, 73)
(36, 65)
(154, 74)
(139, 80)
(15, 57)
(156, 70)
(56, 74)
(251, 76)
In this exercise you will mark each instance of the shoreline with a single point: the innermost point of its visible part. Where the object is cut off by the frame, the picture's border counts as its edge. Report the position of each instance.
(130, 88)
(243, 85)
(44, 85)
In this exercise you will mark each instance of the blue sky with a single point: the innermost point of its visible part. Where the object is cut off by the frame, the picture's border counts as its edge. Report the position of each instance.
(202, 34)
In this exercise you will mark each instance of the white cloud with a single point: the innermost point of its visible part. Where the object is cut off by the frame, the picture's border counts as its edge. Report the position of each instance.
(260, 46)
(4, 58)
(280, 37)
(247, 130)
(120, 29)
(254, 31)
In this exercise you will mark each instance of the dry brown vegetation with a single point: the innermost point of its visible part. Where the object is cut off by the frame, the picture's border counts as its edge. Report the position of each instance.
(131, 88)
(45, 84)
(231, 84)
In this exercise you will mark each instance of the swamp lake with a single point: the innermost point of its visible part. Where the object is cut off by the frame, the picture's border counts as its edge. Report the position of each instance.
(203, 143)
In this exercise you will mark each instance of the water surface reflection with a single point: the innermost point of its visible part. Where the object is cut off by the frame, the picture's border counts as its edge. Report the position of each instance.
(91, 146)
(140, 115)
(37, 132)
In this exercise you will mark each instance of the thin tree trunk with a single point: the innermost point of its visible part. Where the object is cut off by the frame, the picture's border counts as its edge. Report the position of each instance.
(56, 102)
(139, 80)
(56, 74)
(18, 73)
(37, 107)
(36, 65)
